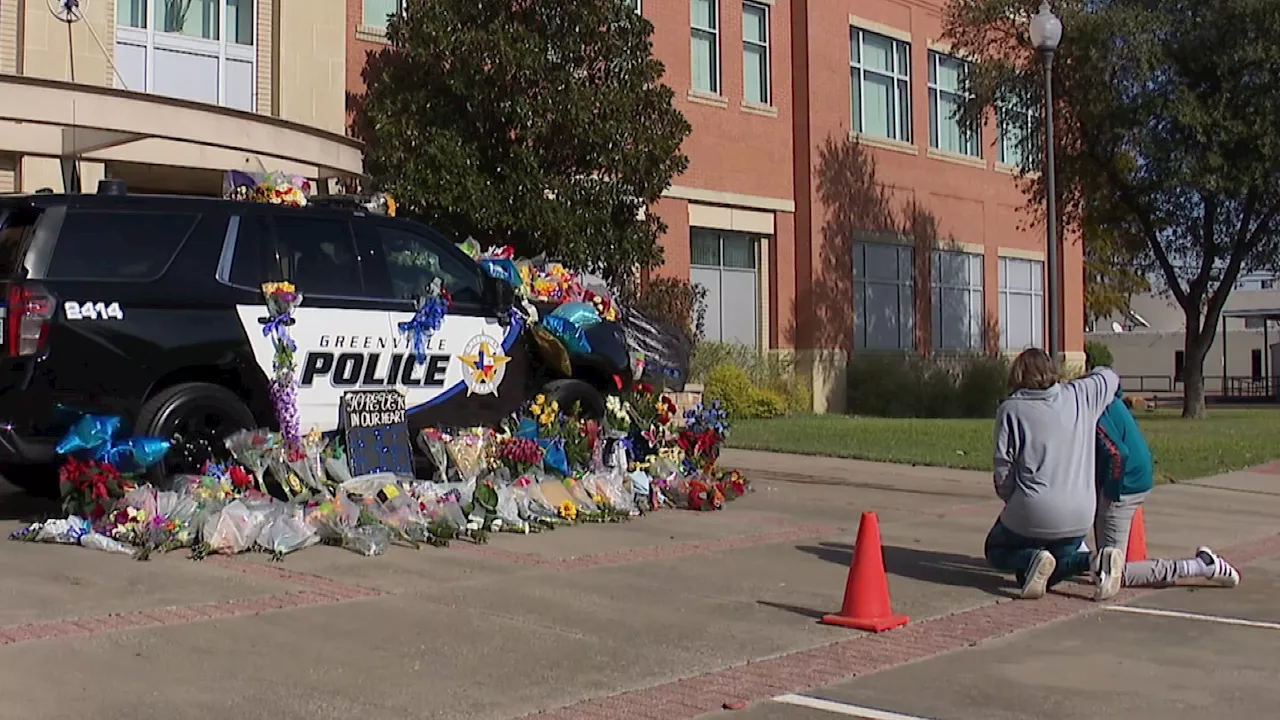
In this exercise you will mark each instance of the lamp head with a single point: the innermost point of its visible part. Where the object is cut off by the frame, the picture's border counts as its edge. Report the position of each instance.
(1046, 29)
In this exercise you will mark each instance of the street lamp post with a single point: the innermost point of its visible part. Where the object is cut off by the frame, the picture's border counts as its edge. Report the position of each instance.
(1046, 33)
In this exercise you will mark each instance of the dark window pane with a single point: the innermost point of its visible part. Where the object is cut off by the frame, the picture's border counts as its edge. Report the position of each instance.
(14, 228)
(318, 255)
(414, 261)
(102, 245)
(246, 264)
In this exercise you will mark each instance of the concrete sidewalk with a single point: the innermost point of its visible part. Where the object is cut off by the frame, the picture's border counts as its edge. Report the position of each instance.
(655, 618)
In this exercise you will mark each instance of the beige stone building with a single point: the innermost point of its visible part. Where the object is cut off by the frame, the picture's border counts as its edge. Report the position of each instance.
(168, 94)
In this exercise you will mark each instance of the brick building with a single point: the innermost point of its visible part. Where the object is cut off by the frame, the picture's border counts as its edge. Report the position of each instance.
(822, 131)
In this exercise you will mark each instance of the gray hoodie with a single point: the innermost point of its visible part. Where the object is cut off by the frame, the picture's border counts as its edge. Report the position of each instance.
(1044, 456)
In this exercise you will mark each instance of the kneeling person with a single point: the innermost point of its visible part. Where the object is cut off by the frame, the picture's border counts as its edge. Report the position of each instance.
(1044, 471)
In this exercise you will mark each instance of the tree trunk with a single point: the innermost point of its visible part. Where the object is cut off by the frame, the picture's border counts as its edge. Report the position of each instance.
(1196, 350)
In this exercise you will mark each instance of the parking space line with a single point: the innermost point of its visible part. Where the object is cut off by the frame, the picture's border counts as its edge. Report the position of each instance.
(1195, 616)
(842, 708)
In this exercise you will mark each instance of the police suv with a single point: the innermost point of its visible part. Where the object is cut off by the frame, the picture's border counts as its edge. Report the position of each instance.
(150, 308)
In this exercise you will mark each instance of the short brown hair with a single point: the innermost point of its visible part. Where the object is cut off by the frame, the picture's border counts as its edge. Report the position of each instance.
(1033, 369)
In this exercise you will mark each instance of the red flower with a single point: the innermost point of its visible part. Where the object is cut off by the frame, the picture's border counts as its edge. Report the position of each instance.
(240, 478)
(644, 389)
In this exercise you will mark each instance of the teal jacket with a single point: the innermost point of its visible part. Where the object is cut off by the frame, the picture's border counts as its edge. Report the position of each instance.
(1123, 458)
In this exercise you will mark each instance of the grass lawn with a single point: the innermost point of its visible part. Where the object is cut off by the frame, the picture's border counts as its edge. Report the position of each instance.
(1183, 449)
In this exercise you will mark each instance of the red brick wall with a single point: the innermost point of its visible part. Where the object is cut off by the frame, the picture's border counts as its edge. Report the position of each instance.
(971, 205)
(358, 48)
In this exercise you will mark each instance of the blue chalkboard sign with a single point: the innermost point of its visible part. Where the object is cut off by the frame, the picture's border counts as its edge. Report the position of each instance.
(376, 434)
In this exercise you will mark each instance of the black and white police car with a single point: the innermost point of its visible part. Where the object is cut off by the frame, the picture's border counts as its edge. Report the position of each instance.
(150, 308)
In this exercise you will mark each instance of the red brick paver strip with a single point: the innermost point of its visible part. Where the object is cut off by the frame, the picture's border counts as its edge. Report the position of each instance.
(858, 655)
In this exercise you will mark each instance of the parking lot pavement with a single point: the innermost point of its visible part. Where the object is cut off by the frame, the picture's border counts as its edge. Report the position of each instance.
(1182, 653)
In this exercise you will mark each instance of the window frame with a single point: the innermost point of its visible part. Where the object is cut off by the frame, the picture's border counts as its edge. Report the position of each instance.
(899, 49)
(935, 102)
(717, 61)
(1007, 111)
(974, 292)
(753, 242)
(1005, 292)
(364, 15)
(904, 281)
(764, 46)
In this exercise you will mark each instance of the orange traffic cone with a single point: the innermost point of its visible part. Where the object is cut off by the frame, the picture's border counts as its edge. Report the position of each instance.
(866, 593)
(1137, 548)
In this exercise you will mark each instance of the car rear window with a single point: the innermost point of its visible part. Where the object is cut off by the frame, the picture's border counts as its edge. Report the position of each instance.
(126, 246)
(15, 225)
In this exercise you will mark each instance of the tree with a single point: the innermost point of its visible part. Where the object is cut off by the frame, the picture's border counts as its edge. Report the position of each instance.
(1113, 270)
(1166, 115)
(542, 125)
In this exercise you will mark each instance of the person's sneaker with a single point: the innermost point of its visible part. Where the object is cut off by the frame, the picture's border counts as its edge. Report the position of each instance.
(1033, 588)
(1224, 573)
(1110, 573)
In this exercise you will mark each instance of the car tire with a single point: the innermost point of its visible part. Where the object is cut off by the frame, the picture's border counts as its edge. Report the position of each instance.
(586, 396)
(201, 409)
(39, 481)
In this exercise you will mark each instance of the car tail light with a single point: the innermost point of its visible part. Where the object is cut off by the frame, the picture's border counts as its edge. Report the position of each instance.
(29, 313)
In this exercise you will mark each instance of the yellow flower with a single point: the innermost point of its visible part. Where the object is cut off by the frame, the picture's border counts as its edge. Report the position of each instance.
(555, 406)
(539, 399)
(568, 510)
(598, 499)
(535, 410)
(546, 419)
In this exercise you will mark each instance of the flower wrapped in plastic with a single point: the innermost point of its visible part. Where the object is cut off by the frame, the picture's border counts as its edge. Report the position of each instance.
(336, 469)
(332, 517)
(235, 528)
(252, 449)
(467, 452)
(532, 504)
(367, 540)
(307, 464)
(286, 532)
(436, 443)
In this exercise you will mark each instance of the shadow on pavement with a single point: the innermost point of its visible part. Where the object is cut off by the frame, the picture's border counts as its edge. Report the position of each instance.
(925, 565)
(18, 505)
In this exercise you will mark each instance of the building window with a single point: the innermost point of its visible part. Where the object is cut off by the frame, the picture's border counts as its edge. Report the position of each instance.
(724, 263)
(633, 4)
(880, 85)
(946, 131)
(755, 53)
(193, 18)
(883, 297)
(1014, 124)
(376, 12)
(201, 50)
(705, 64)
(1021, 304)
(958, 312)
(131, 13)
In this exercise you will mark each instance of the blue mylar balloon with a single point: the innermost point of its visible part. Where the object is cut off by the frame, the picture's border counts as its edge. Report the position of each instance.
(575, 341)
(90, 432)
(553, 456)
(502, 270)
(137, 454)
(582, 314)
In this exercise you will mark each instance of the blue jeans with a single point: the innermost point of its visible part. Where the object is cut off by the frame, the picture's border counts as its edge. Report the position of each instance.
(1007, 550)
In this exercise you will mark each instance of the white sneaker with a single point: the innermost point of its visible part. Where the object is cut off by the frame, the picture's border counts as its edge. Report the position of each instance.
(1224, 573)
(1110, 573)
(1037, 582)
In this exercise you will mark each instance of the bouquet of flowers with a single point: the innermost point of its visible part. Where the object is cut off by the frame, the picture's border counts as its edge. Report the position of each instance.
(335, 462)
(703, 436)
(618, 416)
(281, 300)
(603, 305)
(467, 451)
(436, 443)
(332, 517)
(286, 532)
(89, 489)
(235, 528)
(705, 496)
(252, 449)
(519, 455)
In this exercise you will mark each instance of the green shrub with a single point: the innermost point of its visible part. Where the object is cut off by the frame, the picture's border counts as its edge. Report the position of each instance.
(741, 398)
(766, 371)
(1097, 354)
(940, 387)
